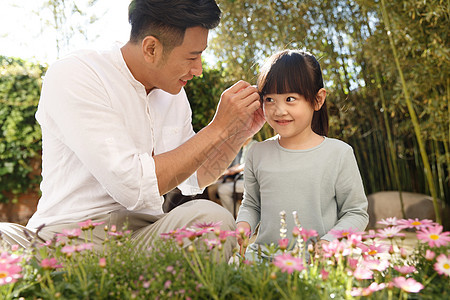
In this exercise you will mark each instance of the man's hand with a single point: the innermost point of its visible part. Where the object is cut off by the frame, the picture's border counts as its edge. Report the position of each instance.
(239, 111)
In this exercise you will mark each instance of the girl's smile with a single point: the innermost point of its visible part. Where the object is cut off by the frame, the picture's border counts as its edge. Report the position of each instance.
(283, 122)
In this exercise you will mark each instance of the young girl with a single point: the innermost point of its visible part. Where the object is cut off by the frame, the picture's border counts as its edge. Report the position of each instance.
(300, 169)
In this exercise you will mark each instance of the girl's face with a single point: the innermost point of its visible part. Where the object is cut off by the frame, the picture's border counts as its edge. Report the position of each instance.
(290, 115)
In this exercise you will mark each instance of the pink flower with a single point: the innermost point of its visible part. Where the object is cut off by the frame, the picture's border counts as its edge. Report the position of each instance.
(373, 250)
(344, 233)
(355, 240)
(50, 264)
(211, 243)
(429, 255)
(442, 265)
(373, 287)
(296, 231)
(370, 235)
(390, 232)
(118, 234)
(388, 221)
(405, 269)
(324, 274)
(82, 247)
(224, 234)
(362, 272)
(69, 249)
(376, 264)
(434, 236)
(408, 285)
(209, 225)
(352, 263)
(288, 263)
(167, 284)
(9, 273)
(71, 233)
(391, 250)
(102, 262)
(172, 233)
(335, 248)
(9, 259)
(306, 234)
(414, 223)
(169, 269)
(403, 253)
(188, 233)
(283, 243)
(88, 224)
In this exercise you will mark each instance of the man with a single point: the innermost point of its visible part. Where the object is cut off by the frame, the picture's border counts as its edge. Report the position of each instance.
(117, 133)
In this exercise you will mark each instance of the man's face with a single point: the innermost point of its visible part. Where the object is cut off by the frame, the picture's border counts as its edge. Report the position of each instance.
(183, 62)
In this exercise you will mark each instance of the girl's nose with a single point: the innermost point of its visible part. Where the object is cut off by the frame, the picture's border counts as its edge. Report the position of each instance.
(280, 110)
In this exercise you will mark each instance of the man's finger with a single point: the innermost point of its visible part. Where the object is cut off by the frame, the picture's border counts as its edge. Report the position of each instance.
(238, 86)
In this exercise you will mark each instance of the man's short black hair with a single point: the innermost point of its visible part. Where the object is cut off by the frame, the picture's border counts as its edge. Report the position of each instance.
(167, 20)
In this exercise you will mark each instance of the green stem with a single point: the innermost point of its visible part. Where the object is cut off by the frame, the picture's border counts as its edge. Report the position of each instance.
(8, 293)
(199, 270)
(413, 115)
(50, 282)
(281, 290)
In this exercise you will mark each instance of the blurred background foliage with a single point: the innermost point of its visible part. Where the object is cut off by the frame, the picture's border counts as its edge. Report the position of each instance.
(20, 135)
(367, 105)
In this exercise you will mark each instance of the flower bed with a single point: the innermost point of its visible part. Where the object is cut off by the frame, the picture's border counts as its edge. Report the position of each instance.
(369, 265)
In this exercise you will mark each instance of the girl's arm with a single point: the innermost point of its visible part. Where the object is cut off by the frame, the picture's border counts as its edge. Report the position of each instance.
(350, 197)
(250, 211)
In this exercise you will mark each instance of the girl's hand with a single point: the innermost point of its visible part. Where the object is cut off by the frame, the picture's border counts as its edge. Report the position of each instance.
(243, 236)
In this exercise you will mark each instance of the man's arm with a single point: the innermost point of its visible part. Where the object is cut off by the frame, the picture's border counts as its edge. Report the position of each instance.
(211, 150)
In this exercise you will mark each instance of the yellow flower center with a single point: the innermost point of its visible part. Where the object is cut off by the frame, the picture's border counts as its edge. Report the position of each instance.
(345, 233)
(3, 274)
(373, 252)
(416, 223)
(434, 236)
(289, 263)
(446, 266)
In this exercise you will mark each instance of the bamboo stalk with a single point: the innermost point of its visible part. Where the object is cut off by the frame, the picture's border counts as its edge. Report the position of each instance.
(392, 151)
(392, 164)
(440, 173)
(446, 144)
(413, 115)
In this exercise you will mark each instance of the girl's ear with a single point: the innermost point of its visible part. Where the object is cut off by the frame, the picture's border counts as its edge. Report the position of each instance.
(320, 99)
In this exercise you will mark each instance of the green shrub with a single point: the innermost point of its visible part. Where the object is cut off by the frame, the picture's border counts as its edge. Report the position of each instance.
(204, 95)
(20, 134)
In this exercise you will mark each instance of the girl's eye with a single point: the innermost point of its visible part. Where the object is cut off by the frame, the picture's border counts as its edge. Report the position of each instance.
(290, 99)
(268, 99)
